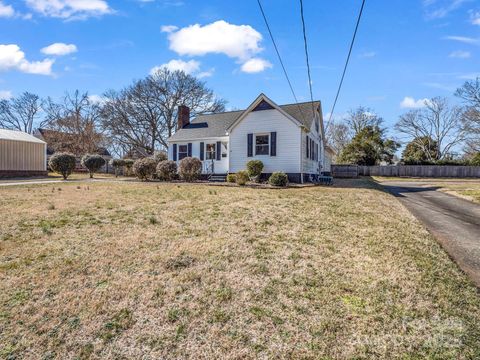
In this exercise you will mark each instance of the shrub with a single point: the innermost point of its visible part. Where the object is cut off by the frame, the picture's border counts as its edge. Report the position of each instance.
(117, 164)
(144, 168)
(475, 160)
(278, 179)
(128, 163)
(167, 170)
(93, 163)
(231, 178)
(190, 168)
(160, 156)
(254, 169)
(241, 177)
(62, 163)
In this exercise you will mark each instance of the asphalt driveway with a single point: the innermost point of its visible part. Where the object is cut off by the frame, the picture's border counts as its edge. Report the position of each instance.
(454, 221)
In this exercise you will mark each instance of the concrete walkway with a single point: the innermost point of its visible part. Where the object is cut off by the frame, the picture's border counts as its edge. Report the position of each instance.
(455, 222)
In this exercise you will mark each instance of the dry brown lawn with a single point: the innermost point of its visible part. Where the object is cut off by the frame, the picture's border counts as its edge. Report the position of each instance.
(166, 271)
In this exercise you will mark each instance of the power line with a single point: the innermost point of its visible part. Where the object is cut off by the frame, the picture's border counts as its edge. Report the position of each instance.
(306, 56)
(346, 63)
(280, 58)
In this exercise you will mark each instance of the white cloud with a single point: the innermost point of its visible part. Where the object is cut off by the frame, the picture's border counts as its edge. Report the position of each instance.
(410, 103)
(191, 67)
(169, 28)
(5, 94)
(460, 54)
(236, 41)
(368, 54)
(6, 10)
(463, 39)
(475, 18)
(70, 9)
(255, 65)
(435, 9)
(205, 74)
(59, 49)
(12, 58)
(188, 67)
(471, 76)
(96, 99)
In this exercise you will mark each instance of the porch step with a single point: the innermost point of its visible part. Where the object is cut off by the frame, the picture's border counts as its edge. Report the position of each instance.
(218, 178)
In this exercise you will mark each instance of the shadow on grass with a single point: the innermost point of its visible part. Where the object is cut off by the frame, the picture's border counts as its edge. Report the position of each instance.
(367, 182)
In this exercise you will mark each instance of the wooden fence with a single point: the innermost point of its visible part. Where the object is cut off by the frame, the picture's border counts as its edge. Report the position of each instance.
(433, 171)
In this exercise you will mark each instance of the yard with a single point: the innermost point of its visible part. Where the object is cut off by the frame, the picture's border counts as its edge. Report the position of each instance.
(149, 270)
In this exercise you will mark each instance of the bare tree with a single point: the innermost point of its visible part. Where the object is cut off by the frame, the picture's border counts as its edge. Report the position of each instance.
(436, 121)
(144, 115)
(470, 94)
(21, 113)
(338, 135)
(361, 118)
(73, 124)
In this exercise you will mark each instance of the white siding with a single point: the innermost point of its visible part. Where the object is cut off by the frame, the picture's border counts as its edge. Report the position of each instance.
(221, 166)
(310, 166)
(266, 121)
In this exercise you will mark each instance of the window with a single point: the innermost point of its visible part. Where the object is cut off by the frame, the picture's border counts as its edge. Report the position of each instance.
(210, 151)
(224, 149)
(262, 145)
(182, 151)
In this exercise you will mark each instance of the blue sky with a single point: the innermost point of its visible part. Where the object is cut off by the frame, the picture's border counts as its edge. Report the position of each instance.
(410, 49)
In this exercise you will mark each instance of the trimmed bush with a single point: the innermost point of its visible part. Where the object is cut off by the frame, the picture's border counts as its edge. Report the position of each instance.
(144, 168)
(93, 163)
(278, 179)
(190, 169)
(231, 178)
(117, 164)
(160, 156)
(254, 169)
(167, 170)
(241, 177)
(62, 163)
(128, 164)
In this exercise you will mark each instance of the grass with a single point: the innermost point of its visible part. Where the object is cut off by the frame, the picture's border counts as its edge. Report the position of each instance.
(466, 188)
(139, 270)
(54, 176)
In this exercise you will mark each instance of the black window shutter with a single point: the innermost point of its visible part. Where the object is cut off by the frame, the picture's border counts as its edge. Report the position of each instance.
(308, 144)
(189, 149)
(249, 145)
(273, 143)
(202, 151)
(174, 152)
(219, 150)
(311, 149)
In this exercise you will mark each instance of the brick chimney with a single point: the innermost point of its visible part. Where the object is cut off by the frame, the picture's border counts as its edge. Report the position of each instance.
(183, 116)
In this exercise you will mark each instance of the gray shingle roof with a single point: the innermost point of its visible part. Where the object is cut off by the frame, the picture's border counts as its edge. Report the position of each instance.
(217, 124)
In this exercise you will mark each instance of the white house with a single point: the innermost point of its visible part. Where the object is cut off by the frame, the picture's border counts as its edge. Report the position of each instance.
(288, 138)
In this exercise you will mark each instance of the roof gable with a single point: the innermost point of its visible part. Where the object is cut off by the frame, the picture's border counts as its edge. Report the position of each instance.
(263, 101)
(15, 135)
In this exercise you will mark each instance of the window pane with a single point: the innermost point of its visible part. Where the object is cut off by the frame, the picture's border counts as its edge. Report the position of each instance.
(262, 140)
(210, 151)
(261, 145)
(182, 148)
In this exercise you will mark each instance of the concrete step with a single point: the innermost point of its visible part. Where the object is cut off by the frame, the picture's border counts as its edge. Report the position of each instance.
(218, 178)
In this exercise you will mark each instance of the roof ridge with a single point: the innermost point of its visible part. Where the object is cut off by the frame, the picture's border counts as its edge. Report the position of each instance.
(242, 110)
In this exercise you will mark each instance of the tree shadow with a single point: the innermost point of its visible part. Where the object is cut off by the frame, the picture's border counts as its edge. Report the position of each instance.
(367, 182)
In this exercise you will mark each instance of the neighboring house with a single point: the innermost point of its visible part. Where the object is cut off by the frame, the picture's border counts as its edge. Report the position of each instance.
(286, 138)
(21, 154)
